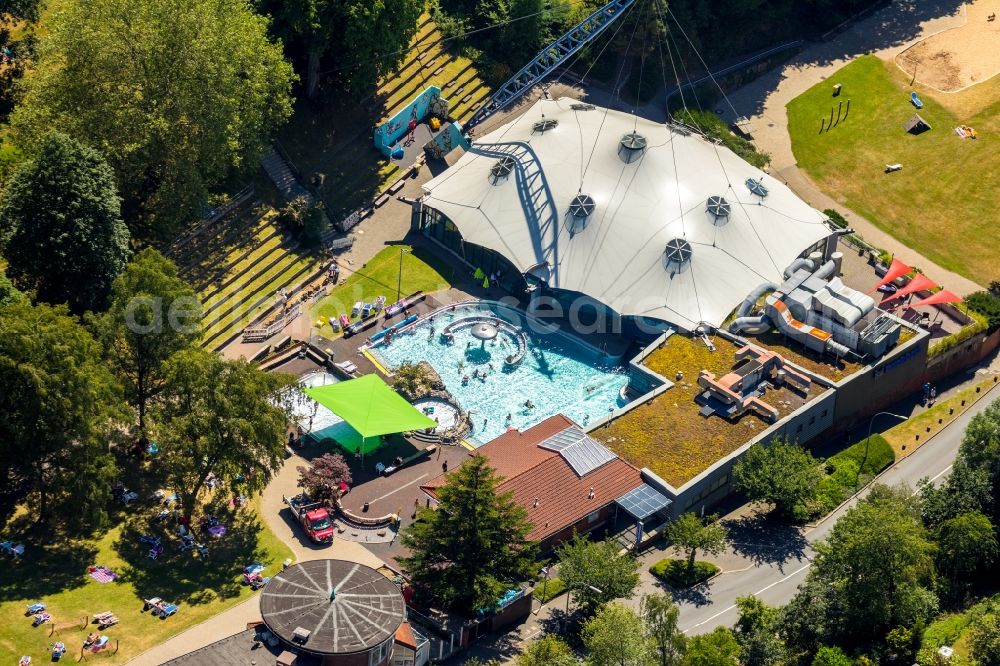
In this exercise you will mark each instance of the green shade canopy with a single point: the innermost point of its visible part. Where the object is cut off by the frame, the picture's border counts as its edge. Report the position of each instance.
(370, 406)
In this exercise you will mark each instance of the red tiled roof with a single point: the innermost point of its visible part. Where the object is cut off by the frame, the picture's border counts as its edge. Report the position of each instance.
(531, 472)
(405, 637)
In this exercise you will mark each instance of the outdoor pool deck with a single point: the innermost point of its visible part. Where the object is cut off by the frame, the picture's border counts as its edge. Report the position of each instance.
(668, 434)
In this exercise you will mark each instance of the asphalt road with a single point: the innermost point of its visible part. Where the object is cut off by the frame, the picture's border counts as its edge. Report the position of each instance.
(775, 583)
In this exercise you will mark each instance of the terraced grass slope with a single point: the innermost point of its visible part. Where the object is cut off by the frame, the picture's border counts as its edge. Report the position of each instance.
(337, 140)
(238, 266)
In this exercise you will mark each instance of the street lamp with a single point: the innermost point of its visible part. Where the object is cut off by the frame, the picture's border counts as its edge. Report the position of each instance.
(399, 279)
(569, 593)
(871, 423)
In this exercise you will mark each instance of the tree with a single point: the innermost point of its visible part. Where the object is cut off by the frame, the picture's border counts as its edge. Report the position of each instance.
(8, 292)
(524, 35)
(57, 409)
(984, 639)
(877, 564)
(305, 220)
(782, 473)
(980, 450)
(412, 380)
(175, 93)
(374, 33)
(615, 636)
(660, 613)
(828, 655)
(689, 534)
(61, 216)
(967, 543)
(324, 475)
(550, 650)
(596, 572)
(967, 489)
(718, 648)
(756, 632)
(153, 315)
(465, 553)
(220, 417)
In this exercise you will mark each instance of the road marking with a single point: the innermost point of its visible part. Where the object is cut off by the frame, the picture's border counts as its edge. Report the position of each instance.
(938, 475)
(420, 478)
(763, 589)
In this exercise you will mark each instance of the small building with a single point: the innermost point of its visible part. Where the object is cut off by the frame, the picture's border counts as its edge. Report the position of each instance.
(343, 613)
(564, 479)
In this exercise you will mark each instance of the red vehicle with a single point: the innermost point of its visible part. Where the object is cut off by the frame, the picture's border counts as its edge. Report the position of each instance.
(313, 516)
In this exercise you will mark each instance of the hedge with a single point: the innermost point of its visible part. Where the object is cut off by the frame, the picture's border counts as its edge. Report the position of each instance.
(677, 575)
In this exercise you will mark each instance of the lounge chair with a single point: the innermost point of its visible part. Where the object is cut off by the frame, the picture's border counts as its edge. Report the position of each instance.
(366, 309)
(167, 610)
(36, 607)
(58, 650)
(109, 621)
(100, 644)
(24, 661)
(151, 603)
(357, 308)
(40, 619)
(99, 617)
(254, 568)
(347, 366)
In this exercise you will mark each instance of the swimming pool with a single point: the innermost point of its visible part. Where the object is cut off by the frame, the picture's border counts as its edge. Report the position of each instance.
(556, 375)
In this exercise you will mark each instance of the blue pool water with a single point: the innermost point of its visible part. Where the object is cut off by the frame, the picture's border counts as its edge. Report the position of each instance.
(558, 375)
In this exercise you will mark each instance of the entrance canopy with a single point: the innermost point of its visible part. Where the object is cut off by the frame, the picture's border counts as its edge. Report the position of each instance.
(369, 406)
(643, 502)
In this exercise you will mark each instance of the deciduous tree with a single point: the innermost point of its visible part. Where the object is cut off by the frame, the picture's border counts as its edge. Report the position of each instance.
(153, 315)
(718, 648)
(61, 216)
(878, 564)
(782, 473)
(757, 633)
(464, 553)
(984, 639)
(550, 650)
(322, 478)
(689, 534)
(660, 614)
(596, 573)
(831, 655)
(175, 93)
(966, 544)
(615, 636)
(58, 404)
(220, 417)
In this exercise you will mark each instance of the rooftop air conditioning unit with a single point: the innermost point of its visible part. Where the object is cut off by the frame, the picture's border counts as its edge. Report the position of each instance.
(300, 635)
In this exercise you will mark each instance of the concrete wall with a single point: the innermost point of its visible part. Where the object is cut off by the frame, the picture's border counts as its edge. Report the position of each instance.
(897, 375)
(968, 353)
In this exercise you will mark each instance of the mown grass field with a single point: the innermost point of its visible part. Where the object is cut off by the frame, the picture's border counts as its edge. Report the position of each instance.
(56, 574)
(944, 202)
(380, 277)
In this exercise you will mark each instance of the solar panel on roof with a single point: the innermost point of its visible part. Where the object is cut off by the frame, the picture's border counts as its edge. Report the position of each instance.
(581, 452)
(643, 502)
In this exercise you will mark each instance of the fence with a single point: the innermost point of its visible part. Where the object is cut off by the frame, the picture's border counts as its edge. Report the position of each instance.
(262, 333)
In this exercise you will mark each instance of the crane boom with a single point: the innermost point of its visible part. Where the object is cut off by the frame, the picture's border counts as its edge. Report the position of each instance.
(551, 57)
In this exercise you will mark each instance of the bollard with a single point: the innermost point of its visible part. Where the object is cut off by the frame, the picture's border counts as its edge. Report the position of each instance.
(928, 428)
(916, 438)
(951, 410)
(963, 403)
(940, 421)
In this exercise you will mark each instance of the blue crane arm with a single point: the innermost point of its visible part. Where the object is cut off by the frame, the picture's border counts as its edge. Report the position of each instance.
(551, 57)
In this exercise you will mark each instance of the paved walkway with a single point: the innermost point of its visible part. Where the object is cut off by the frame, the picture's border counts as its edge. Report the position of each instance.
(884, 34)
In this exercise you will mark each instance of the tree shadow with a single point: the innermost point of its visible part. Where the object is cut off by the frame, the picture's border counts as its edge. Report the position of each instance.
(181, 576)
(44, 570)
(891, 25)
(697, 595)
(765, 539)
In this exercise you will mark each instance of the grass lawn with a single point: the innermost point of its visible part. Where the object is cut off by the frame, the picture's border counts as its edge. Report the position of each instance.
(379, 277)
(903, 437)
(677, 575)
(947, 188)
(547, 591)
(57, 574)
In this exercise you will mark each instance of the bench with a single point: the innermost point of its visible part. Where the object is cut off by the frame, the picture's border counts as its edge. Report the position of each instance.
(396, 187)
(438, 71)
(381, 201)
(340, 243)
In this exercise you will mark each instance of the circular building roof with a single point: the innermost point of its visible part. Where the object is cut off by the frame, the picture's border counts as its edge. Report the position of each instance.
(332, 607)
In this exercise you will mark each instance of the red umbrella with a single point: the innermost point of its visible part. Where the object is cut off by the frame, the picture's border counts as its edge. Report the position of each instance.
(896, 269)
(943, 296)
(920, 282)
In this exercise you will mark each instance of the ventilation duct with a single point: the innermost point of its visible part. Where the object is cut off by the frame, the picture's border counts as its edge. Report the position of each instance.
(582, 206)
(631, 147)
(718, 207)
(678, 251)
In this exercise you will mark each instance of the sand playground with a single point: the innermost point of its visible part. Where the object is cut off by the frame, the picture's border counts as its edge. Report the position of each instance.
(960, 57)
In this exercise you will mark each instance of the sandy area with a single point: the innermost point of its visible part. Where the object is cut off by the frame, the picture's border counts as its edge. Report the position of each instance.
(960, 57)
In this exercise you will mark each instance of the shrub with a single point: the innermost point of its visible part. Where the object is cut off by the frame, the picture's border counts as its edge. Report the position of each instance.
(850, 468)
(546, 592)
(304, 220)
(678, 575)
(715, 127)
(986, 303)
(836, 218)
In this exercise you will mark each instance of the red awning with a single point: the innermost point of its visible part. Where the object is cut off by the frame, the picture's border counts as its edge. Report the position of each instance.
(943, 296)
(920, 282)
(897, 269)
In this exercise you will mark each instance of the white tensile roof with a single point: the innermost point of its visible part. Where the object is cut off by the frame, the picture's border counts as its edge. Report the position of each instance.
(618, 255)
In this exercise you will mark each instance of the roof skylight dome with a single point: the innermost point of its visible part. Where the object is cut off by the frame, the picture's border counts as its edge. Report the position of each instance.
(718, 207)
(631, 147)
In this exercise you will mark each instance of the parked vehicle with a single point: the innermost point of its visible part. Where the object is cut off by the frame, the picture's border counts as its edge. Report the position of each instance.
(313, 516)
